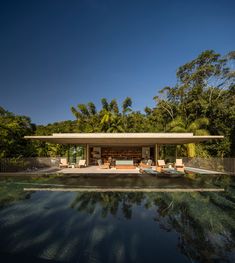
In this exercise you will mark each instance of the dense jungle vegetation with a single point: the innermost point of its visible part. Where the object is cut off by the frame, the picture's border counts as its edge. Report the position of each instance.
(202, 101)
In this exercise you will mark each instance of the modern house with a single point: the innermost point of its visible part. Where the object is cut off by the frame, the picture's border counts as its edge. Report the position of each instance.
(120, 146)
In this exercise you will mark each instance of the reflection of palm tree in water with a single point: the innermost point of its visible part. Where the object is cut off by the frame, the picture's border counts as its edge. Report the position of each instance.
(205, 222)
(109, 202)
(205, 231)
(9, 195)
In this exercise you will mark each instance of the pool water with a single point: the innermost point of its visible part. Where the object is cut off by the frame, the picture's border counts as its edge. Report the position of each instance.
(44, 226)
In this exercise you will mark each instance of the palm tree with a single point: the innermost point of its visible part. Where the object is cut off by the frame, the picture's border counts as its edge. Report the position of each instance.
(126, 108)
(115, 125)
(126, 105)
(105, 104)
(110, 117)
(91, 108)
(197, 127)
(114, 106)
(86, 116)
(106, 119)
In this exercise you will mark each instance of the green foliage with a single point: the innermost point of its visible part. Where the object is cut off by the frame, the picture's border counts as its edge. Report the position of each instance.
(202, 102)
(108, 119)
(126, 105)
(12, 130)
(197, 128)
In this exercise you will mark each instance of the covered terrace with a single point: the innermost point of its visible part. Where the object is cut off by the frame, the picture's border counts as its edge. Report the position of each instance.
(120, 146)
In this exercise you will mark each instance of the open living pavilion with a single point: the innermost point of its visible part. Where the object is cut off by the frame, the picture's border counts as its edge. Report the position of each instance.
(120, 146)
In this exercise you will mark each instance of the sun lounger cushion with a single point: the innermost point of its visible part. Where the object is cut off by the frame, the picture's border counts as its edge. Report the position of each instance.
(161, 163)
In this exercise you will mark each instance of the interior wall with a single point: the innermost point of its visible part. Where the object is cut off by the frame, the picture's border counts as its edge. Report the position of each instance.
(136, 153)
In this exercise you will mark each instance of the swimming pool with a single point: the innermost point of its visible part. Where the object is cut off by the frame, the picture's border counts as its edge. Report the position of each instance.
(43, 226)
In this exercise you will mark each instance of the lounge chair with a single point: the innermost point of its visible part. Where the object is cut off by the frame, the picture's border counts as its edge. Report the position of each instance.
(160, 165)
(179, 166)
(63, 163)
(103, 166)
(146, 165)
(81, 163)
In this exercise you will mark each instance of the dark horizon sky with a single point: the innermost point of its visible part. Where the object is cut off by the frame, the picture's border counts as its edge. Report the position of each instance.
(55, 54)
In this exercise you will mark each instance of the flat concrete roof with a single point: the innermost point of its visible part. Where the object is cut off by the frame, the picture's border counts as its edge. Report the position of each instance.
(123, 138)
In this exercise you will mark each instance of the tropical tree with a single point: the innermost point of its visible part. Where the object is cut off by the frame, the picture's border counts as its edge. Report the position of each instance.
(110, 117)
(204, 93)
(13, 128)
(126, 105)
(87, 118)
(115, 125)
(198, 127)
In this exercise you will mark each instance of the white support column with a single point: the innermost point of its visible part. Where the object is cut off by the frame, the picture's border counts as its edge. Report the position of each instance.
(156, 153)
(87, 154)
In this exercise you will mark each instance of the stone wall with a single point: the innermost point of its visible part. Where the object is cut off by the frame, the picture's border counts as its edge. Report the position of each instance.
(27, 164)
(215, 164)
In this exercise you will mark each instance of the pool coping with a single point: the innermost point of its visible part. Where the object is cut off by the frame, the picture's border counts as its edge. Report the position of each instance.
(148, 190)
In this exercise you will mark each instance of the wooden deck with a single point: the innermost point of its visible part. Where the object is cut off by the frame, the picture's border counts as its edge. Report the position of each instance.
(97, 170)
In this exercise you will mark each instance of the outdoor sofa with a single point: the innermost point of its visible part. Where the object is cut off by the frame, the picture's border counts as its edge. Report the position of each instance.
(125, 164)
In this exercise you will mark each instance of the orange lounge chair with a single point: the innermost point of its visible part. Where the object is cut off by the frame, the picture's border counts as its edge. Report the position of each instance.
(160, 165)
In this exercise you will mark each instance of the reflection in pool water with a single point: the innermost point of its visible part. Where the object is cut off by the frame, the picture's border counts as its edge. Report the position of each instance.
(117, 227)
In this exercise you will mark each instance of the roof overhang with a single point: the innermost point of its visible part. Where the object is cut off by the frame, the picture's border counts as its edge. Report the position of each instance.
(123, 138)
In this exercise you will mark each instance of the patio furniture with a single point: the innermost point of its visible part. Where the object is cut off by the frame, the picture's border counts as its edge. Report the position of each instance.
(81, 163)
(63, 163)
(170, 165)
(125, 164)
(160, 165)
(103, 166)
(146, 165)
(179, 166)
(71, 165)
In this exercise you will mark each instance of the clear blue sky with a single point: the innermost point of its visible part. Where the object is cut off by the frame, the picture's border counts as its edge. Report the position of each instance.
(55, 54)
